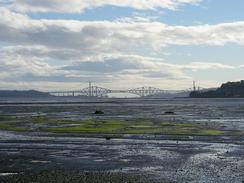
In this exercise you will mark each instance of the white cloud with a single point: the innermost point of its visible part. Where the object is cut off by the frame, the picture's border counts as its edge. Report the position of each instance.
(79, 5)
(92, 37)
(195, 66)
(25, 64)
(103, 51)
(14, 64)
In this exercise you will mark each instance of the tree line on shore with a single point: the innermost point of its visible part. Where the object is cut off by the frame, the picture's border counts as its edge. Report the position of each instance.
(227, 90)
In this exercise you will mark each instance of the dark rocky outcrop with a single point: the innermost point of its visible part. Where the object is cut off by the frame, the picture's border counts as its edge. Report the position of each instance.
(98, 112)
(169, 113)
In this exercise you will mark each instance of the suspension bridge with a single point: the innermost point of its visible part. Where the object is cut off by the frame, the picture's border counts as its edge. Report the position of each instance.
(96, 91)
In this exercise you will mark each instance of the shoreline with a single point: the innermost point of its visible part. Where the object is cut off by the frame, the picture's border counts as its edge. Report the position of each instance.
(75, 177)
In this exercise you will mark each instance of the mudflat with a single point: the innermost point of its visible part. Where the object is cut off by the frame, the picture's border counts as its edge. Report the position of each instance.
(178, 140)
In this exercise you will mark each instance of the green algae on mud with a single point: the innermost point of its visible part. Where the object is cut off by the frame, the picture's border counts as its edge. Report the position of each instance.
(7, 118)
(90, 127)
(96, 126)
(9, 123)
(125, 127)
(8, 127)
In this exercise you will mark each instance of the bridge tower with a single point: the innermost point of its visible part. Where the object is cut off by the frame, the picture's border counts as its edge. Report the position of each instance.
(90, 89)
(194, 86)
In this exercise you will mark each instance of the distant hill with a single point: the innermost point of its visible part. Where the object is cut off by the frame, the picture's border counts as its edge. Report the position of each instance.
(227, 90)
(27, 93)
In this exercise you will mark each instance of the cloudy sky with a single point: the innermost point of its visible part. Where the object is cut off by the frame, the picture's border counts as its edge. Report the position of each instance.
(60, 44)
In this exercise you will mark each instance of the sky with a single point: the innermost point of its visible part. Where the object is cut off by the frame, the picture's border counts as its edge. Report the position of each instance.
(53, 45)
